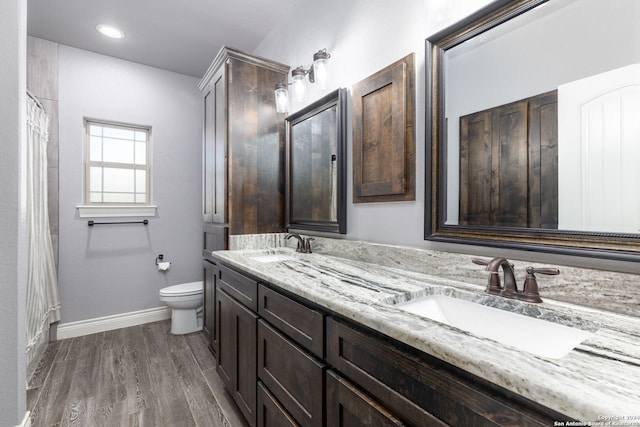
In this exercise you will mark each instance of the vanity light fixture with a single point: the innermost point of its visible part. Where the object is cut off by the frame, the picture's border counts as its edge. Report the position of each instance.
(110, 31)
(317, 73)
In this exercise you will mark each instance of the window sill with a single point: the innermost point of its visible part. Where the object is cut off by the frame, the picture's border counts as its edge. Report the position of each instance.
(113, 211)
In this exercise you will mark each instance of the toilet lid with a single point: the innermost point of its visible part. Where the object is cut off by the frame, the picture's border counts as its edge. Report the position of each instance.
(183, 289)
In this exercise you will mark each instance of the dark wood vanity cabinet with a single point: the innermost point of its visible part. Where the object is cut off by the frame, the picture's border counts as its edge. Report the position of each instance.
(281, 354)
(288, 362)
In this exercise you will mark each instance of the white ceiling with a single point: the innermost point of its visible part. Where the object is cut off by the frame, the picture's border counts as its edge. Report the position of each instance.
(176, 35)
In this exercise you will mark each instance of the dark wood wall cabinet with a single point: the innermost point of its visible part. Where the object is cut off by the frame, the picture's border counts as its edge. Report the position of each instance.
(289, 362)
(243, 158)
(509, 164)
(244, 147)
(384, 166)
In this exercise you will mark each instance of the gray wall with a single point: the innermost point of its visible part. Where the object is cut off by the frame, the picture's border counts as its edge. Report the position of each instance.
(108, 270)
(13, 277)
(364, 36)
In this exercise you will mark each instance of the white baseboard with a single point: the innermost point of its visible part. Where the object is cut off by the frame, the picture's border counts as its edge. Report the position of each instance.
(26, 421)
(108, 323)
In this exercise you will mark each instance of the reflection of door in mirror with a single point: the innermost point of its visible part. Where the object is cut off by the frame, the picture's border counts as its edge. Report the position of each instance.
(600, 152)
(508, 164)
(313, 163)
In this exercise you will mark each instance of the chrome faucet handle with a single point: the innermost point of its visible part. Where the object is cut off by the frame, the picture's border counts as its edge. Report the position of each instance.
(530, 291)
(493, 283)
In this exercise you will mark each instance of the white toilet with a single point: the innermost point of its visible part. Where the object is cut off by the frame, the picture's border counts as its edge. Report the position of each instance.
(185, 302)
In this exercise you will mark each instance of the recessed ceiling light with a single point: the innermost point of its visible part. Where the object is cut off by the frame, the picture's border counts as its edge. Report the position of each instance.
(110, 31)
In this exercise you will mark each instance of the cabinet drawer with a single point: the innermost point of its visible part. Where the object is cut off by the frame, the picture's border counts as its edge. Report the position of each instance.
(302, 324)
(347, 406)
(241, 287)
(421, 389)
(294, 377)
(270, 411)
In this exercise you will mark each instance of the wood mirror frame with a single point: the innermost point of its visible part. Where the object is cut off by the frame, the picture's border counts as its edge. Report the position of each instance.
(619, 246)
(326, 164)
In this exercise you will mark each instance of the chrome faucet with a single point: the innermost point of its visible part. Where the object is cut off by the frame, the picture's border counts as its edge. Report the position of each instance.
(304, 244)
(529, 292)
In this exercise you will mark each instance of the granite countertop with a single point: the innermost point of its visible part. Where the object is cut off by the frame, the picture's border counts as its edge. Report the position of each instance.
(598, 381)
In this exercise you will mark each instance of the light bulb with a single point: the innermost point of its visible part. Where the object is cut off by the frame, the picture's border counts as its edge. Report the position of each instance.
(320, 61)
(320, 71)
(297, 80)
(282, 98)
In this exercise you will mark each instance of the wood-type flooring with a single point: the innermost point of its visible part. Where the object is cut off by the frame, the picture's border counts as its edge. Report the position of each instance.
(137, 376)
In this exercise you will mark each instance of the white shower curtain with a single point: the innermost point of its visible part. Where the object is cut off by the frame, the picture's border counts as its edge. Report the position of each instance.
(43, 305)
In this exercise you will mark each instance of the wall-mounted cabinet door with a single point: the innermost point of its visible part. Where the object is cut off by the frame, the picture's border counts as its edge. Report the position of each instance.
(215, 151)
(384, 134)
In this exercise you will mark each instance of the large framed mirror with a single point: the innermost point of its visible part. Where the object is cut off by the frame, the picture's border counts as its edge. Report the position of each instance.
(532, 114)
(316, 165)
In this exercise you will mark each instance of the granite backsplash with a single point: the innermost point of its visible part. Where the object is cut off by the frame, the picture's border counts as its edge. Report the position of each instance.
(603, 290)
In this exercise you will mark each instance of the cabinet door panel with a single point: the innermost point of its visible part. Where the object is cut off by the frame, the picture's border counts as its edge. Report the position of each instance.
(384, 134)
(210, 273)
(219, 196)
(270, 412)
(301, 323)
(236, 362)
(293, 376)
(475, 169)
(246, 375)
(256, 150)
(349, 406)
(240, 287)
(208, 184)
(226, 333)
(509, 168)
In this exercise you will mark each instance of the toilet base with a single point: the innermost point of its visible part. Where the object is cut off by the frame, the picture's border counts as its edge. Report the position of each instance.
(184, 321)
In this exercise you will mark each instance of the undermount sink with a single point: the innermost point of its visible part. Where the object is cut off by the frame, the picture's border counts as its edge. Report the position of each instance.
(536, 336)
(272, 258)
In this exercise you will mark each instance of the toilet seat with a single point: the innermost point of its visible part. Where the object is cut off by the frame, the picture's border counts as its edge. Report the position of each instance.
(182, 290)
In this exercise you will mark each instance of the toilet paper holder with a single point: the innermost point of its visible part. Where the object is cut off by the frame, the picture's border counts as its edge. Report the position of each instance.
(159, 257)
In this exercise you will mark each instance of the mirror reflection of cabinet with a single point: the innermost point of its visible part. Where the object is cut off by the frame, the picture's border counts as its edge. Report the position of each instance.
(243, 148)
(516, 49)
(509, 164)
(316, 165)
